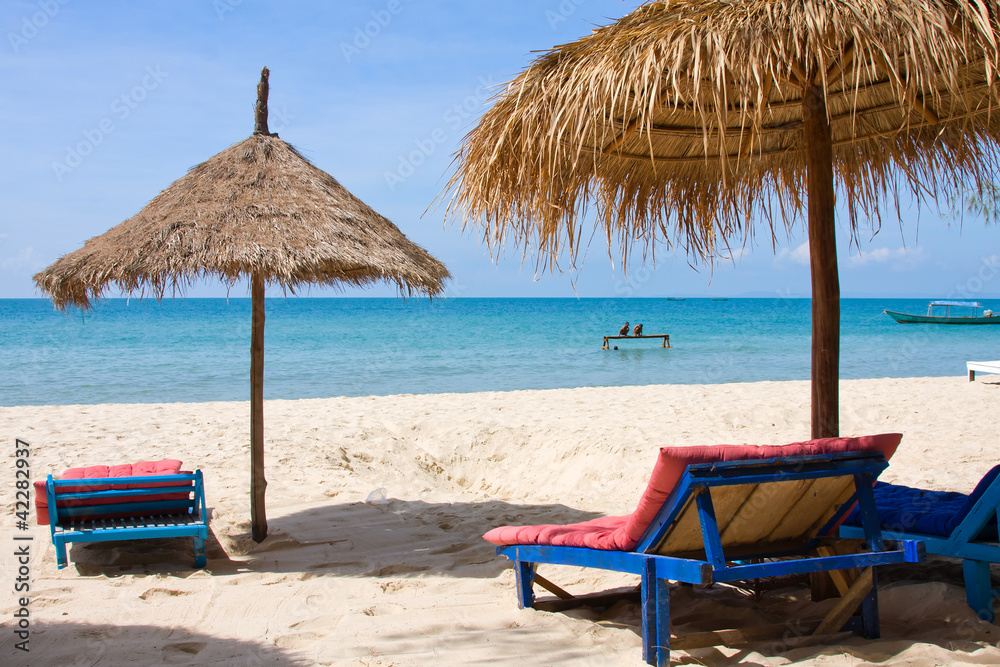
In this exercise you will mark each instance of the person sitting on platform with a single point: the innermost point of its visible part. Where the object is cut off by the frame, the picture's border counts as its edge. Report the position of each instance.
(638, 330)
(624, 330)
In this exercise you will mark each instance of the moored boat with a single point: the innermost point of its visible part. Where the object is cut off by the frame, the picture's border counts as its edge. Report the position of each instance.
(949, 312)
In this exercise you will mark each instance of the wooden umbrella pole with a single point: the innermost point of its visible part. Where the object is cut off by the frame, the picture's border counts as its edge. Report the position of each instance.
(823, 265)
(258, 483)
(258, 518)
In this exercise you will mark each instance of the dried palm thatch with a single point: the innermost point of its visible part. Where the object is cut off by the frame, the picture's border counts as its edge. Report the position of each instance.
(257, 210)
(686, 120)
(683, 120)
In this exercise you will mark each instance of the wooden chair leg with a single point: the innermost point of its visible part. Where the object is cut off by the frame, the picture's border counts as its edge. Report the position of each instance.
(60, 545)
(843, 580)
(655, 617)
(199, 552)
(524, 574)
(979, 588)
(869, 611)
(844, 609)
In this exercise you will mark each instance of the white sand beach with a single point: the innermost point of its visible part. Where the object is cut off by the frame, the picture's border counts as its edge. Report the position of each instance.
(411, 582)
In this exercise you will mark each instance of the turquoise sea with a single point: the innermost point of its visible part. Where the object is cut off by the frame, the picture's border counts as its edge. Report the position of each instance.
(192, 350)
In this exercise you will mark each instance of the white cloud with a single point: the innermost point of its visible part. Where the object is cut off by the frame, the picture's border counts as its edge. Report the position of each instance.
(26, 258)
(734, 254)
(799, 255)
(899, 258)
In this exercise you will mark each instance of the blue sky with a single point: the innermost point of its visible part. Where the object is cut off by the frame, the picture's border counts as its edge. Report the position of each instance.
(107, 103)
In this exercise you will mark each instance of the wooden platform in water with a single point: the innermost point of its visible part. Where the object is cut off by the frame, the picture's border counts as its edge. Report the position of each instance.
(665, 337)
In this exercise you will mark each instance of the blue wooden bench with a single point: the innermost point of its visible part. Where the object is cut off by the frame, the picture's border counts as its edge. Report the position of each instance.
(743, 520)
(967, 530)
(132, 508)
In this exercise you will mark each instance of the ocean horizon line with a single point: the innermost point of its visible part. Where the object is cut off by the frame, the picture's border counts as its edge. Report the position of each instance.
(668, 297)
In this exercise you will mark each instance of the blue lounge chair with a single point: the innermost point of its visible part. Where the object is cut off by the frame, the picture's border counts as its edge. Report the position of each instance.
(731, 521)
(127, 508)
(949, 524)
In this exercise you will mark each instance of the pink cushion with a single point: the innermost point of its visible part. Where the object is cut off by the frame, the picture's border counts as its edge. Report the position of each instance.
(623, 533)
(141, 469)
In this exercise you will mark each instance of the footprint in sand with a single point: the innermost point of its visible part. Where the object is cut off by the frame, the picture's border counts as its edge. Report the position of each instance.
(396, 569)
(336, 564)
(299, 640)
(181, 652)
(161, 593)
(384, 609)
(396, 586)
(51, 596)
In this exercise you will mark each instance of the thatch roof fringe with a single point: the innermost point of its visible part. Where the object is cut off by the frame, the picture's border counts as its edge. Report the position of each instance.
(256, 208)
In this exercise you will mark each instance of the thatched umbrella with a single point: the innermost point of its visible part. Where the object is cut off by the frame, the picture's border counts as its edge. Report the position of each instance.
(257, 211)
(686, 119)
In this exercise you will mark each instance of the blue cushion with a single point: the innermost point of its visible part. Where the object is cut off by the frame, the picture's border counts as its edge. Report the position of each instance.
(984, 484)
(908, 510)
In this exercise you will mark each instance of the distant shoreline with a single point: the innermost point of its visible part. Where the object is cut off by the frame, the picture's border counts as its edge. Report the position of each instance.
(487, 393)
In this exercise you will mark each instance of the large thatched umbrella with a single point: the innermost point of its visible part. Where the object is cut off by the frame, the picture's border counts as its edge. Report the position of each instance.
(686, 119)
(257, 211)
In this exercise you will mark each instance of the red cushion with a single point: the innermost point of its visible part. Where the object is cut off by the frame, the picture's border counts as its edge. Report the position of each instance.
(624, 532)
(141, 469)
